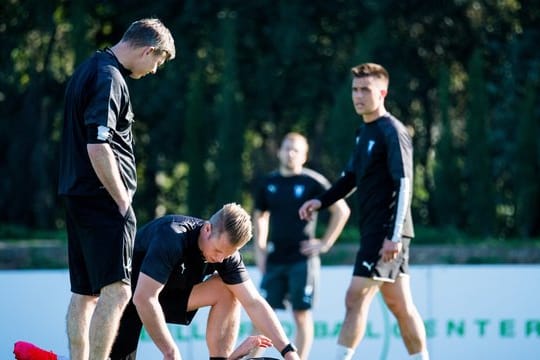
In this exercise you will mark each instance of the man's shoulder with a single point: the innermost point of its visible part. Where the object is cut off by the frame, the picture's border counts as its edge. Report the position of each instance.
(389, 125)
(184, 222)
(97, 61)
(179, 224)
(84, 73)
(306, 174)
(389, 120)
(314, 175)
(271, 176)
(98, 71)
(105, 66)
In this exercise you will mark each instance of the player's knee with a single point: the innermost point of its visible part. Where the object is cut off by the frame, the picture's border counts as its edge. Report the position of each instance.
(353, 299)
(229, 300)
(397, 307)
(224, 296)
(118, 291)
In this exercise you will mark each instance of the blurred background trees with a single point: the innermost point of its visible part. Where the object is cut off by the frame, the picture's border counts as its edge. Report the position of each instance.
(465, 77)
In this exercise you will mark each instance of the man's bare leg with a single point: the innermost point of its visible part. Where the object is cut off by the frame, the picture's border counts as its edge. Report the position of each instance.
(358, 299)
(106, 319)
(399, 300)
(224, 318)
(78, 319)
(304, 332)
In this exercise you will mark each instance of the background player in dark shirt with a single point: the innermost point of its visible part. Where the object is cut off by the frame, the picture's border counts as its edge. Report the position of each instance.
(181, 264)
(381, 169)
(97, 181)
(287, 252)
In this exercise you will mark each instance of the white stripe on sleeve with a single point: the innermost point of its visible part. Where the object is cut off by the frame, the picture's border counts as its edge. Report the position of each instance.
(402, 206)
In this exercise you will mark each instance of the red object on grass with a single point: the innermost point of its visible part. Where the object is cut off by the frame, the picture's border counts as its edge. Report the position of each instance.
(26, 351)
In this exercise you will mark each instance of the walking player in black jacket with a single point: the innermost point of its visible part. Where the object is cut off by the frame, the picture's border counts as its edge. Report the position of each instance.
(381, 170)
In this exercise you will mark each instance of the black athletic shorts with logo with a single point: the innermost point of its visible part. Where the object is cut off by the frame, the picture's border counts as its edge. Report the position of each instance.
(369, 262)
(100, 243)
(296, 283)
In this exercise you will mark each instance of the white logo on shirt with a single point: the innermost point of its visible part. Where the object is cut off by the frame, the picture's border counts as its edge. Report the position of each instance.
(177, 228)
(272, 188)
(299, 190)
(183, 266)
(370, 146)
(103, 133)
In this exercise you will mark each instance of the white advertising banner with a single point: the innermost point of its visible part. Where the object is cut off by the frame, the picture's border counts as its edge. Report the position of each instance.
(471, 312)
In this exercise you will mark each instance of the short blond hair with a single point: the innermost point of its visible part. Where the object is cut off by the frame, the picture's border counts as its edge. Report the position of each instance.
(234, 220)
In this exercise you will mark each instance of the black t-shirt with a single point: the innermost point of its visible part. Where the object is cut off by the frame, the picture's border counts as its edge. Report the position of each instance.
(96, 100)
(382, 157)
(282, 196)
(166, 249)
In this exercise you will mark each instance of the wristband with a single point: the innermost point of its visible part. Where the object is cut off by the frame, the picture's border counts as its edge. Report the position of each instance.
(288, 348)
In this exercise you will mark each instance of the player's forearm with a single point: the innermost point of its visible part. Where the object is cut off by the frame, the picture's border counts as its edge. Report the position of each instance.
(339, 190)
(260, 249)
(106, 168)
(403, 189)
(260, 259)
(154, 322)
(266, 321)
(260, 235)
(339, 214)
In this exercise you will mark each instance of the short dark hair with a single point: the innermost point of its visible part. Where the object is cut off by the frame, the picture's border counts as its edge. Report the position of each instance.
(370, 69)
(150, 32)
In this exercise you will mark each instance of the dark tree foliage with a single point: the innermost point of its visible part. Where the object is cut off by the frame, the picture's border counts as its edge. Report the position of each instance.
(229, 120)
(527, 164)
(446, 190)
(247, 72)
(479, 186)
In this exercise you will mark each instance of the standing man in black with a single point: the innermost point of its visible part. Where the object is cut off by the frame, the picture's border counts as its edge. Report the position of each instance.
(98, 180)
(381, 169)
(287, 250)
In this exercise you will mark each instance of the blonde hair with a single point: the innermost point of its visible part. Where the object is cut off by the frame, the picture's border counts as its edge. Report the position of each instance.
(235, 221)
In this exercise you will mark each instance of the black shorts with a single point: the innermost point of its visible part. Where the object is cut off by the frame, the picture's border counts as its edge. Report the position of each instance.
(174, 304)
(370, 264)
(296, 283)
(100, 243)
